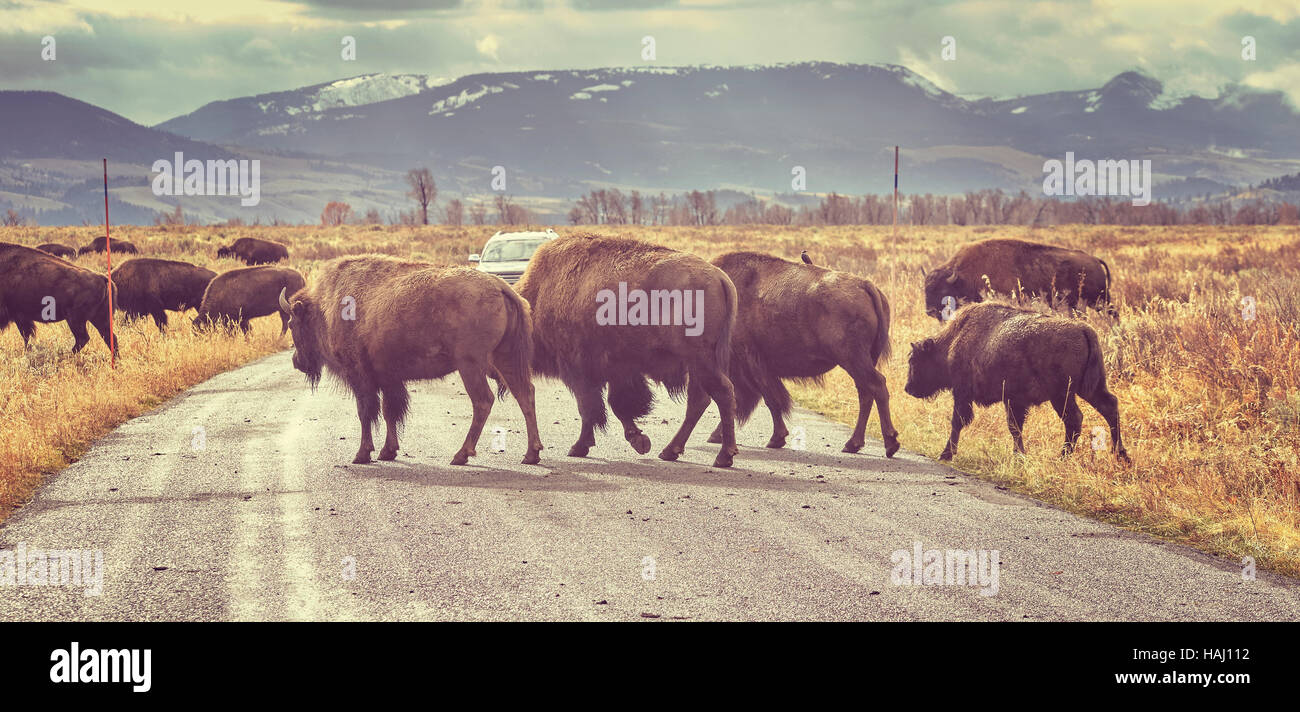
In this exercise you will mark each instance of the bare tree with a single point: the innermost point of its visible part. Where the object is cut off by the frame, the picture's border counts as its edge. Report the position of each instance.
(422, 190)
(455, 213)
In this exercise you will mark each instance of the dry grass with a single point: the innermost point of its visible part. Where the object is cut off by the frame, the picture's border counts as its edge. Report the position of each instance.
(1210, 402)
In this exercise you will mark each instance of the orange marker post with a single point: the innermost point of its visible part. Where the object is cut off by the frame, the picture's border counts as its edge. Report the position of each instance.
(108, 255)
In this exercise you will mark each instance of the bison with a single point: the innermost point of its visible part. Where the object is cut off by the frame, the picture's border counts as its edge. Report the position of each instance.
(97, 245)
(152, 286)
(614, 311)
(58, 250)
(247, 293)
(253, 251)
(800, 321)
(377, 322)
(1031, 268)
(992, 352)
(36, 286)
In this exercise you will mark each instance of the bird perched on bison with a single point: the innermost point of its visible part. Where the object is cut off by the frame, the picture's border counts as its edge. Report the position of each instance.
(58, 250)
(1030, 268)
(616, 311)
(800, 321)
(991, 352)
(119, 246)
(254, 251)
(35, 286)
(151, 286)
(247, 293)
(804, 256)
(377, 322)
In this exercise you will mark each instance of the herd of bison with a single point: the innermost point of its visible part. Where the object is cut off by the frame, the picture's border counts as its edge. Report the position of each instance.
(376, 322)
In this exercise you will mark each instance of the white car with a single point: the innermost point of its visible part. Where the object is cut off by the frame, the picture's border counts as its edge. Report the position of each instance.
(506, 254)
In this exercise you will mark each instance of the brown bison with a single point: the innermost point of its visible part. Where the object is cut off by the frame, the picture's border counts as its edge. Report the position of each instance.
(377, 322)
(800, 321)
(152, 286)
(247, 293)
(58, 250)
(1031, 268)
(97, 245)
(615, 311)
(35, 286)
(253, 251)
(991, 352)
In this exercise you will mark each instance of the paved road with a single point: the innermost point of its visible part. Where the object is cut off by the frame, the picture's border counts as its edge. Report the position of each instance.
(270, 521)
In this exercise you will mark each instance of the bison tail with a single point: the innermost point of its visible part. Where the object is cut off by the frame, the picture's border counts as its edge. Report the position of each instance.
(880, 348)
(1094, 368)
(722, 349)
(1105, 292)
(518, 338)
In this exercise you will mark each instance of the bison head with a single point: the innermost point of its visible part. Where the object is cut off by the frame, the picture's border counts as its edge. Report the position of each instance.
(306, 322)
(927, 370)
(226, 251)
(944, 282)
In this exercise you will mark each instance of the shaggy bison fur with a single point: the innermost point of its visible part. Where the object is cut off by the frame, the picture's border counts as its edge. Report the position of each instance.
(377, 322)
(993, 352)
(800, 321)
(35, 286)
(152, 286)
(247, 293)
(570, 279)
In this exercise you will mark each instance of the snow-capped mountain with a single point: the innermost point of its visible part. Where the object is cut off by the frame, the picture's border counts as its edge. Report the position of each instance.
(748, 127)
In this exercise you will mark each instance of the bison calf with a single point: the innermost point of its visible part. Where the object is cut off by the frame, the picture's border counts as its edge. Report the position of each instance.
(377, 322)
(992, 353)
(614, 311)
(35, 286)
(152, 286)
(800, 321)
(247, 293)
(254, 251)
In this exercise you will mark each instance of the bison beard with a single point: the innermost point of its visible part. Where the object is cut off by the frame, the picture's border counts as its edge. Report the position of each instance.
(413, 321)
(30, 278)
(561, 283)
(992, 353)
(800, 321)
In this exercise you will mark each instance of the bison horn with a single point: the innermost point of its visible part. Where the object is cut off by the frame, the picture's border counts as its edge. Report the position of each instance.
(284, 303)
(952, 278)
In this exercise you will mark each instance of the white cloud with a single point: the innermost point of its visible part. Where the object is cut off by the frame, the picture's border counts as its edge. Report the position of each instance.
(488, 47)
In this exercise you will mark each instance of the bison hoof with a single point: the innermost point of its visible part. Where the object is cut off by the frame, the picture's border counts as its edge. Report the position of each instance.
(670, 454)
(532, 458)
(1123, 457)
(387, 454)
(460, 459)
(579, 450)
(722, 460)
(852, 446)
(776, 442)
(715, 437)
(945, 456)
(362, 458)
(891, 446)
(639, 442)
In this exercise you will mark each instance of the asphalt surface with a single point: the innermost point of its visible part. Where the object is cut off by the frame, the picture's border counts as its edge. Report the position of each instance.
(268, 520)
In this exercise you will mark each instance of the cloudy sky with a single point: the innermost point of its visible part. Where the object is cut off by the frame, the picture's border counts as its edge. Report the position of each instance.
(151, 60)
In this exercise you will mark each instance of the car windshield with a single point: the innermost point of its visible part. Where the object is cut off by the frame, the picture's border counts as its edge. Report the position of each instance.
(511, 250)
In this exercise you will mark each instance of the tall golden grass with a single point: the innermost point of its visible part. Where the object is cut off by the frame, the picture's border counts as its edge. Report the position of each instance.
(1209, 400)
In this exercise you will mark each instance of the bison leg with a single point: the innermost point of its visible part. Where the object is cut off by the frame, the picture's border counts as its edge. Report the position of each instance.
(1068, 409)
(26, 329)
(80, 336)
(1105, 403)
(395, 401)
(591, 407)
(160, 319)
(631, 399)
(368, 414)
(697, 401)
(474, 376)
(777, 399)
(963, 412)
(872, 388)
(521, 386)
(1016, 412)
(707, 383)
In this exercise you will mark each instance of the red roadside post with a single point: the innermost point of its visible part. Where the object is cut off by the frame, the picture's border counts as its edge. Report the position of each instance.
(108, 255)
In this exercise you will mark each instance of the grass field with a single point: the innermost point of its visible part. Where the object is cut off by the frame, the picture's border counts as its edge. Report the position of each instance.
(1209, 399)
